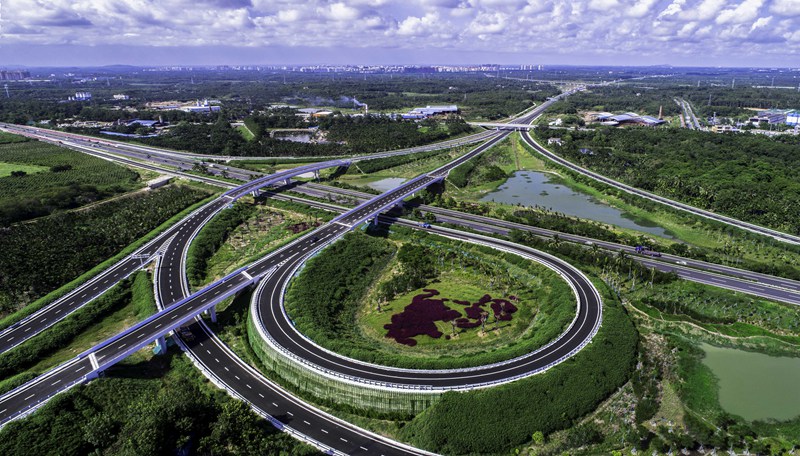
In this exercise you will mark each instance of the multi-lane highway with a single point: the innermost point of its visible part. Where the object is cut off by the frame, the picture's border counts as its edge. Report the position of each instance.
(218, 362)
(278, 329)
(758, 284)
(116, 348)
(185, 229)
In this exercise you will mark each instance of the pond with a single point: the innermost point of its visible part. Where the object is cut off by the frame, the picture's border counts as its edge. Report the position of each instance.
(386, 184)
(531, 188)
(294, 137)
(755, 386)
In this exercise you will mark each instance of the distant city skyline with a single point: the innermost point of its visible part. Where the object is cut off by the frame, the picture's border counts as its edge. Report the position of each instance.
(270, 32)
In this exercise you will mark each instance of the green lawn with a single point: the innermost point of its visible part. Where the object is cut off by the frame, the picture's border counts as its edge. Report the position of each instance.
(462, 285)
(7, 168)
(246, 133)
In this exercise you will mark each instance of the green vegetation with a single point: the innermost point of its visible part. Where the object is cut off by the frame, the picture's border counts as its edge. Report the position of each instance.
(347, 311)
(41, 255)
(379, 164)
(136, 292)
(245, 233)
(478, 171)
(17, 170)
(749, 177)
(345, 135)
(10, 319)
(492, 420)
(211, 238)
(158, 406)
(73, 179)
(326, 309)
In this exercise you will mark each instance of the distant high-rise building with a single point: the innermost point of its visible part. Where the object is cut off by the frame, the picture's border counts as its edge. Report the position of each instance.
(13, 75)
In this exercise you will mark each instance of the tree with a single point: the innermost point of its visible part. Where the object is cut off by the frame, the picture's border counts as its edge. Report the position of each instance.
(538, 437)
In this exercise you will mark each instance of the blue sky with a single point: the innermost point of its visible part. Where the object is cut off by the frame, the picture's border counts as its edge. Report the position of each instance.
(624, 32)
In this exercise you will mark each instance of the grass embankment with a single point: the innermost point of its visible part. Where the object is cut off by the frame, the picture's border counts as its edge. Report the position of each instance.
(246, 133)
(122, 306)
(401, 166)
(74, 232)
(348, 313)
(245, 233)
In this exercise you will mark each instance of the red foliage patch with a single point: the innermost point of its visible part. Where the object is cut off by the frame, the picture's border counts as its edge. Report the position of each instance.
(420, 317)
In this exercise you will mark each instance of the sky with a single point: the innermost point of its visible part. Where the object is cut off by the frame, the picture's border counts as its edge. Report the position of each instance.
(267, 32)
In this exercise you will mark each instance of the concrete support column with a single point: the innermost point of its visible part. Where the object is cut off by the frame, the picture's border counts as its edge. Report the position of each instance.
(162, 344)
(287, 181)
(212, 312)
(255, 193)
(375, 219)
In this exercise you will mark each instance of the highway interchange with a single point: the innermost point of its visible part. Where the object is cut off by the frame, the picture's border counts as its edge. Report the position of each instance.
(238, 378)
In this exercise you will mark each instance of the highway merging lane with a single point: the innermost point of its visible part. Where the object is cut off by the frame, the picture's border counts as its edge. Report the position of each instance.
(54, 312)
(758, 284)
(75, 371)
(109, 352)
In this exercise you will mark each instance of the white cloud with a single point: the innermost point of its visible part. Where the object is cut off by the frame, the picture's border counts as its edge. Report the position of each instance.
(786, 7)
(531, 27)
(641, 8)
(603, 5)
(745, 12)
(761, 23)
(674, 8)
(415, 26)
(340, 12)
(488, 23)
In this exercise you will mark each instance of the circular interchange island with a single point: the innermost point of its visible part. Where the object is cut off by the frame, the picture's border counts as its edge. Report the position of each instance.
(389, 322)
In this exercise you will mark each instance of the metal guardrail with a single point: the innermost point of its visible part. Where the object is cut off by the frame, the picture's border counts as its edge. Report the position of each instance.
(359, 381)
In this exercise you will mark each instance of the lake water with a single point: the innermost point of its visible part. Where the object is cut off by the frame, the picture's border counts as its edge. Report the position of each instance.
(386, 184)
(531, 188)
(295, 137)
(753, 385)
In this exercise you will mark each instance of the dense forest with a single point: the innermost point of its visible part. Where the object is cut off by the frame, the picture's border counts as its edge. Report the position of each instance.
(41, 255)
(345, 135)
(156, 407)
(749, 177)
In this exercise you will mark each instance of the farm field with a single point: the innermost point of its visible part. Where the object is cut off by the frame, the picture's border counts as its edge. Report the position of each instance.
(56, 179)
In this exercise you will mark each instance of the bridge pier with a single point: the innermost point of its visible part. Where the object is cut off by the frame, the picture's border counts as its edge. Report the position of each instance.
(256, 193)
(287, 181)
(161, 342)
(212, 312)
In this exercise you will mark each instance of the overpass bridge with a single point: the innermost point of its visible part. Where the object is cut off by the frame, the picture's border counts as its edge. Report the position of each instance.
(503, 126)
(90, 363)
